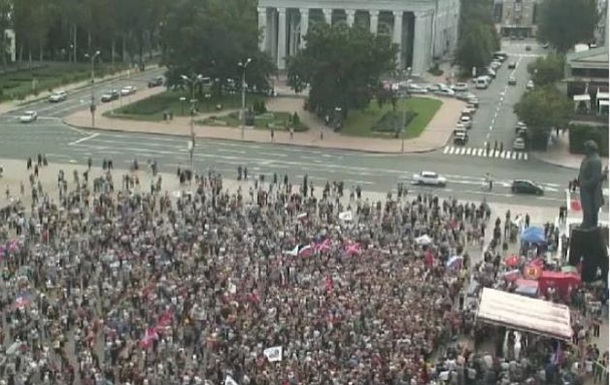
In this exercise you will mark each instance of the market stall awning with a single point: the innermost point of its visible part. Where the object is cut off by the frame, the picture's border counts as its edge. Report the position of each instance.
(526, 314)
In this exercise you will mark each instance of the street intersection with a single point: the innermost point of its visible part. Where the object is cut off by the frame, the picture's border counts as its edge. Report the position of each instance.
(464, 168)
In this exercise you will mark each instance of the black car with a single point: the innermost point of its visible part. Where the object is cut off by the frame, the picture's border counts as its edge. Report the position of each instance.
(512, 65)
(156, 82)
(526, 187)
(109, 96)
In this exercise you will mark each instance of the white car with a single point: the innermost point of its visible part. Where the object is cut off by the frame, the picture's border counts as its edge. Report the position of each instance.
(128, 90)
(416, 89)
(448, 92)
(460, 87)
(519, 144)
(469, 111)
(429, 178)
(28, 117)
(58, 96)
(466, 121)
(530, 85)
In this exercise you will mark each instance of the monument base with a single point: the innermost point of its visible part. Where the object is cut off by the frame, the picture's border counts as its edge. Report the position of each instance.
(590, 247)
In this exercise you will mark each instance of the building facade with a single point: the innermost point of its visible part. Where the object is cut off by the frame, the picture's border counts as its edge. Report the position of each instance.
(516, 18)
(424, 30)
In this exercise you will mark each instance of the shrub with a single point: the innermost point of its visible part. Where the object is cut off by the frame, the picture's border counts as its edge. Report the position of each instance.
(435, 70)
(580, 133)
(295, 120)
(259, 107)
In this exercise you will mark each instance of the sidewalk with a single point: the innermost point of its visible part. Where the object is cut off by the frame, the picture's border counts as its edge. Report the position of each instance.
(435, 136)
(559, 154)
(9, 106)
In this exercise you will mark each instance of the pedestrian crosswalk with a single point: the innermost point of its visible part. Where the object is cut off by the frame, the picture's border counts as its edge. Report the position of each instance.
(483, 153)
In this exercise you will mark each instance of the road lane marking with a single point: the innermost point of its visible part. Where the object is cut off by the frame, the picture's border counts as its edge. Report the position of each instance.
(82, 140)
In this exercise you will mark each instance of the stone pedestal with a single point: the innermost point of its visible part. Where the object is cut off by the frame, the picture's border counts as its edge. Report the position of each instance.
(589, 246)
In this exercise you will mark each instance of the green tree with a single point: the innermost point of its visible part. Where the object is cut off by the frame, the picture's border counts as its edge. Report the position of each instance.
(543, 109)
(5, 23)
(342, 67)
(210, 38)
(565, 23)
(478, 38)
(547, 70)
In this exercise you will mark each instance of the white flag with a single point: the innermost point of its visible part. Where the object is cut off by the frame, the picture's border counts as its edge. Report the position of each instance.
(230, 381)
(346, 216)
(273, 354)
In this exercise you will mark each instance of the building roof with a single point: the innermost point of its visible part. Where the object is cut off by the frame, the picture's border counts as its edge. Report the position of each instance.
(592, 58)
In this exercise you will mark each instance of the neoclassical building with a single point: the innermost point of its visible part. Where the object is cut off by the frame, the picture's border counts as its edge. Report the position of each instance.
(423, 29)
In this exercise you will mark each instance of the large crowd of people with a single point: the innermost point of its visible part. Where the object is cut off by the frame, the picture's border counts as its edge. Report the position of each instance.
(106, 282)
(275, 283)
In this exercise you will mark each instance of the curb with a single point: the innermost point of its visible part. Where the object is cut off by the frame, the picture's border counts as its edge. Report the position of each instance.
(542, 159)
(299, 145)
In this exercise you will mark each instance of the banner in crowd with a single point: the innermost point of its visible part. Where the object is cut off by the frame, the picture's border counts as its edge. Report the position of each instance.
(273, 354)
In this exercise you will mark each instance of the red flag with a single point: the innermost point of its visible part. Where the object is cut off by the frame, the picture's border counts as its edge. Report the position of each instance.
(328, 283)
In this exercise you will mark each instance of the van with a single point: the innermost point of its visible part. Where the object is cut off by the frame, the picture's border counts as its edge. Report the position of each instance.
(482, 82)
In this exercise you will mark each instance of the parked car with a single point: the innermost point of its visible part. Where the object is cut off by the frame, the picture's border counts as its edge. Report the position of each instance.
(474, 102)
(445, 92)
(58, 96)
(545, 45)
(528, 48)
(465, 96)
(416, 89)
(109, 96)
(512, 65)
(128, 90)
(521, 186)
(530, 85)
(468, 111)
(460, 87)
(460, 137)
(512, 81)
(429, 178)
(156, 82)
(495, 65)
(466, 121)
(519, 144)
(490, 72)
(28, 117)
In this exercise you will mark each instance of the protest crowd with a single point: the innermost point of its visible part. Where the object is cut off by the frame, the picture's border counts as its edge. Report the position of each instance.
(106, 281)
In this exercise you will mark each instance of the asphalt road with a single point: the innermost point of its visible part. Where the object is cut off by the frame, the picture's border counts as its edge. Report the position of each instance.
(372, 172)
(495, 119)
(80, 99)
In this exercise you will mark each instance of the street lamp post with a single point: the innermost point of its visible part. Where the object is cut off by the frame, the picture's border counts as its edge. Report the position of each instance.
(92, 105)
(192, 81)
(243, 66)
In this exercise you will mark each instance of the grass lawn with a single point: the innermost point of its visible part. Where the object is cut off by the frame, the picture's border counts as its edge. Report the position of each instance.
(278, 120)
(20, 81)
(361, 123)
(153, 108)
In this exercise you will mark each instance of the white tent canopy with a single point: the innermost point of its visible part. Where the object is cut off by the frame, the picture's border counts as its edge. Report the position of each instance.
(526, 314)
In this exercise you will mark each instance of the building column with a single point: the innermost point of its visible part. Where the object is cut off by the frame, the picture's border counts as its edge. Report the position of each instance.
(397, 38)
(374, 21)
(420, 48)
(351, 14)
(262, 27)
(281, 39)
(294, 35)
(304, 26)
(328, 16)
(272, 38)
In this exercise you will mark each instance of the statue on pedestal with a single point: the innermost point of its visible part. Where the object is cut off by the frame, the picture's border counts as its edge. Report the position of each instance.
(590, 179)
